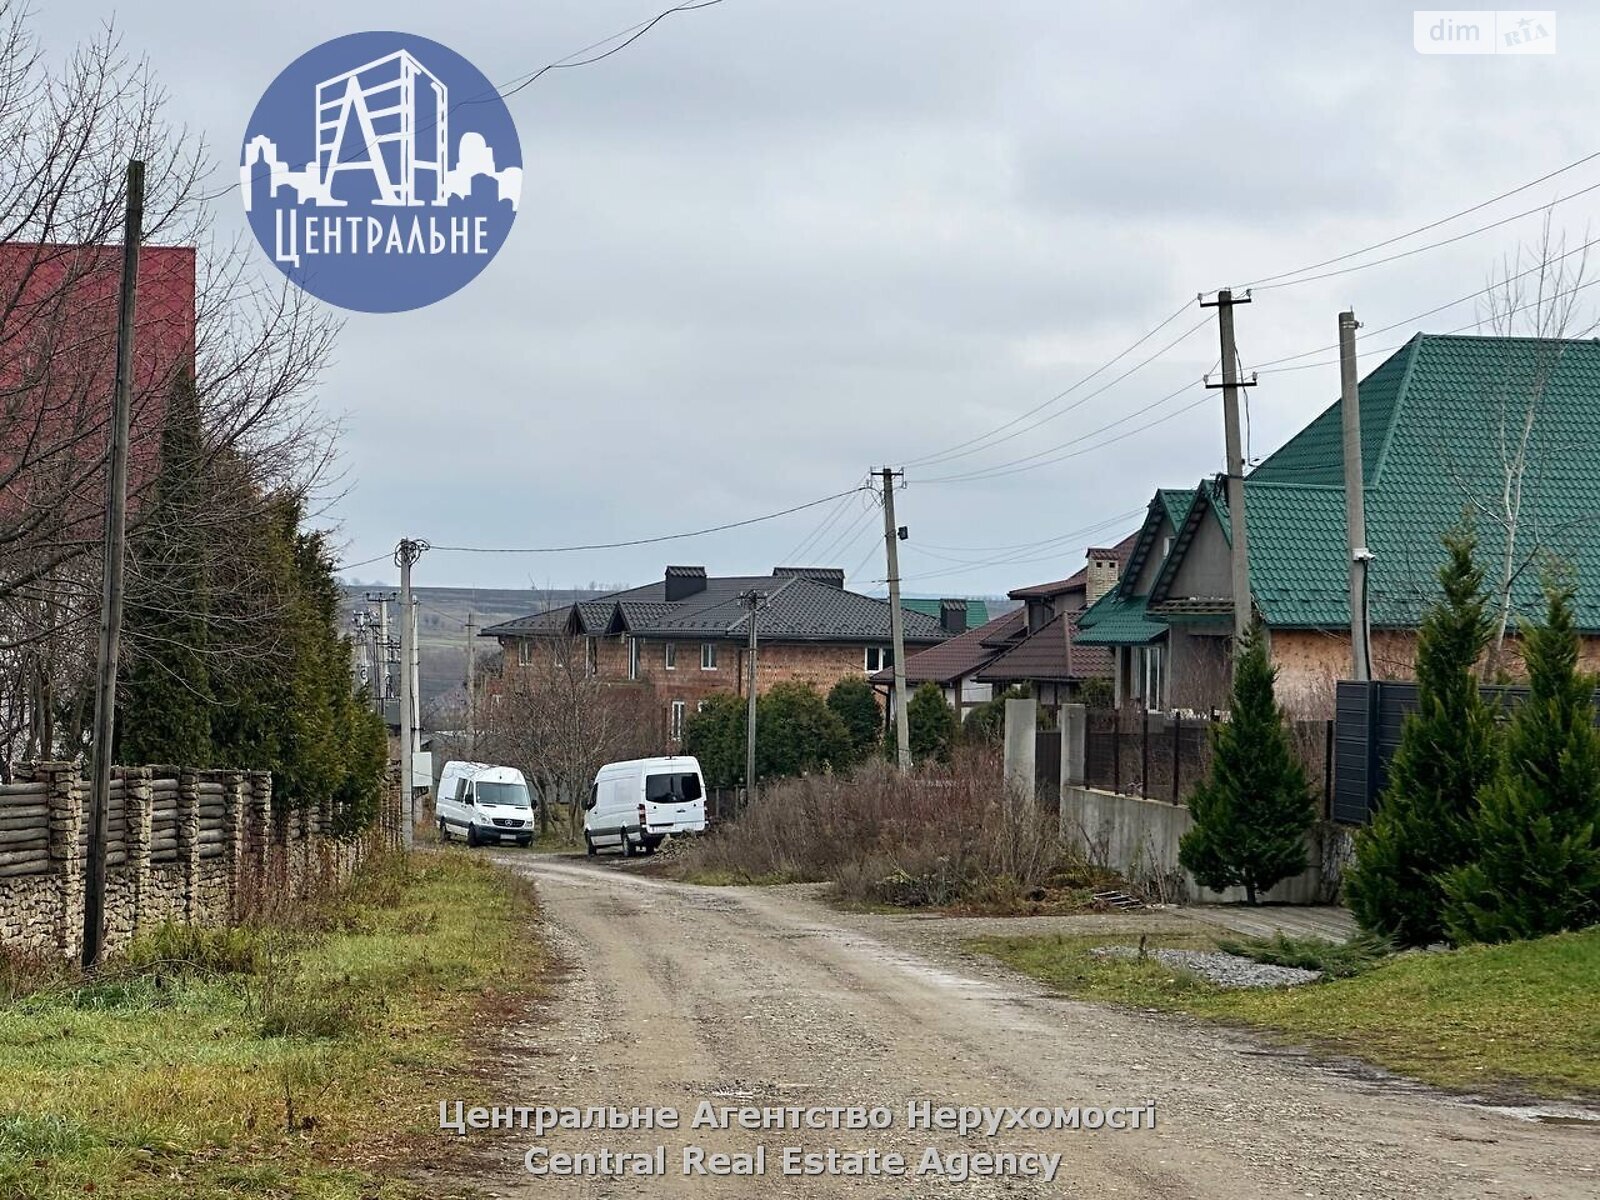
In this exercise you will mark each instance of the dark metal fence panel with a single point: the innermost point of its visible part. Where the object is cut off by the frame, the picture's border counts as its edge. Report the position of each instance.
(1370, 717)
(1047, 765)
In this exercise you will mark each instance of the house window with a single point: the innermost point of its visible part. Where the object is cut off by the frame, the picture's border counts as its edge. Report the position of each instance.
(633, 658)
(708, 656)
(671, 656)
(676, 719)
(524, 652)
(591, 657)
(1153, 666)
(879, 658)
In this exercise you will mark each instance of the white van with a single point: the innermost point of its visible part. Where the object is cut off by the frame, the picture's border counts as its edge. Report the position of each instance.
(633, 806)
(484, 803)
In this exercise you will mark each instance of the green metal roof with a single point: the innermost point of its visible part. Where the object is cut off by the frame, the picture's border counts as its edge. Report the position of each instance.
(1118, 620)
(1431, 416)
(977, 610)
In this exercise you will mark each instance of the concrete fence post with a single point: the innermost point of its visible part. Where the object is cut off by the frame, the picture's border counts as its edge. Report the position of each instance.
(1074, 721)
(138, 815)
(235, 819)
(1021, 747)
(64, 799)
(188, 837)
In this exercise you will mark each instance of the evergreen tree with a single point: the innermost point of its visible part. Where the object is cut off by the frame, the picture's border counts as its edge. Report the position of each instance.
(797, 733)
(1252, 812)
(164, 713)
(1447, 752)
(855, 703)
(715, 736)
(1537, 864)
(931, 724)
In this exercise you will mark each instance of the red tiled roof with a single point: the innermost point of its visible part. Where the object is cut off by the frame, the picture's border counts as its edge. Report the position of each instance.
(1050, 654)
(958, 657)
(1080, 577)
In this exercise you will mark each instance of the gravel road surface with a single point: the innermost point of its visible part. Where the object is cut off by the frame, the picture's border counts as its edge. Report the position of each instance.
(673, 994)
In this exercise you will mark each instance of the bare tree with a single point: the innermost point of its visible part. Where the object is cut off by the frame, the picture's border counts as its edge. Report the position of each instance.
(552, 718)
(1534, 294)
(66, 132)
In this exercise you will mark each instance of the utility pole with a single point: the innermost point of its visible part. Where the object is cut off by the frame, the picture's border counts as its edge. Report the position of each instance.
(406, 553)
(472, 687)
(382, 691)
(892, 534)
(1355, 500)
(1230, 385)
(753, 600)
(105, 703)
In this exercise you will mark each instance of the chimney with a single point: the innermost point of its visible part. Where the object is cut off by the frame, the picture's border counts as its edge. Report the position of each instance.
(827, 576)
(683, 582)
(1103, 571)
(953, 616)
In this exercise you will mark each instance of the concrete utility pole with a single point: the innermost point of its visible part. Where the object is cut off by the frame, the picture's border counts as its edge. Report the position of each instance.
(105, 702)
(1230, 385)
(384, 688)
(752, 600)
(472, 687)
(1355, 500)
(405, 554)
(892, 534)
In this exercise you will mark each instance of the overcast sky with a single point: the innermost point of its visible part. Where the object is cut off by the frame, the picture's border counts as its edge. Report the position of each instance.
(776, 243)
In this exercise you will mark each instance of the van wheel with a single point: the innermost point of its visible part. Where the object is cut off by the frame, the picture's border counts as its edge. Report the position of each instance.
(472, 836)
(444, 831)
(588, 844)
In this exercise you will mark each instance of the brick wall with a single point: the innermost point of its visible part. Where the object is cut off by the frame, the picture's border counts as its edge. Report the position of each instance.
(1310, 662)
(199, 847)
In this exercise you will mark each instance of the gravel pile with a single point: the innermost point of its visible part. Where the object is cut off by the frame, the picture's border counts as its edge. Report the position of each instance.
(1214, 966)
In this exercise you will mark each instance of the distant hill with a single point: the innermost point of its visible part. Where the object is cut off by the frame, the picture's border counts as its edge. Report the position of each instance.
(442, 623)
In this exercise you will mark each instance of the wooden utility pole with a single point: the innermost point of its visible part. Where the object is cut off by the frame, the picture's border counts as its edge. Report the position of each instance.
(472, 687)
(1230, 385)
(1355, 507)
(105, 701)
(753, 599)
(405, 554)
(892, 534)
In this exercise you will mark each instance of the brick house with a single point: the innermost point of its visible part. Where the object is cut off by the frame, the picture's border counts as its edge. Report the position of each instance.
(1430, 418)
(685, 636)
(1033, 646)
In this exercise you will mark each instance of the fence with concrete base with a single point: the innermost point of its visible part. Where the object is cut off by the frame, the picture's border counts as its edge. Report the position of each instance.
(1138, 837)
(200, 847)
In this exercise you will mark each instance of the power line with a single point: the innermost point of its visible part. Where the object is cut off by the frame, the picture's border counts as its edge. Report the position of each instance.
(1400, 237)
(511, 87)
(950, 452)
(1378, 262)
(648, 541)
(1005, 560)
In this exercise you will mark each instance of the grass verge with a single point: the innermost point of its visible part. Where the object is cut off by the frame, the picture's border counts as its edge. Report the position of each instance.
(1460, 1019)
(290, 1058)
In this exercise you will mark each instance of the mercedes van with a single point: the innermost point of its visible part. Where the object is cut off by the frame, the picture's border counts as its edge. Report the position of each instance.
(634, 806)
(484, 803)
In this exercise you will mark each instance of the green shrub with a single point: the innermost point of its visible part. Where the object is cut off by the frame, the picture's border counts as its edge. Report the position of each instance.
(1336, 960)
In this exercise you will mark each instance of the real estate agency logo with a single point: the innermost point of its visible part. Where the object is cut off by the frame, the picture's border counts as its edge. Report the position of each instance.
(381, 171)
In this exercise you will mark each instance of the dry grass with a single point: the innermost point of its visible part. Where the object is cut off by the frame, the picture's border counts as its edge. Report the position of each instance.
(288, 1058)
(940, 837)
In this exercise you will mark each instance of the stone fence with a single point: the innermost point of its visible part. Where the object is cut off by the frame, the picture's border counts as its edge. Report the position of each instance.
(200, 847)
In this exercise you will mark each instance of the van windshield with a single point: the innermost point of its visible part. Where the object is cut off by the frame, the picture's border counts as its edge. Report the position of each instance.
(684, 785)
(512, 795)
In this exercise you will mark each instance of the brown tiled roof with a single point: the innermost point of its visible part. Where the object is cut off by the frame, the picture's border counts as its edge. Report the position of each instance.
(1049, 655)
(1079, 578)
(958, 657)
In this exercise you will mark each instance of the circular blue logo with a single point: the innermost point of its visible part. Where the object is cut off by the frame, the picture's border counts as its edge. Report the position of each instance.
(381, 171)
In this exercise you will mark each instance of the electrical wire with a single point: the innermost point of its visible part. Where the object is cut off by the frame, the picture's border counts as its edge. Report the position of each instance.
(950, 452)
(649, 541)
(1400, 237)
(511, 87)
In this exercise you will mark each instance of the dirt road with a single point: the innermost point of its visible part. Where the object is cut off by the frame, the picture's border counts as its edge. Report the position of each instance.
(764, 997)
